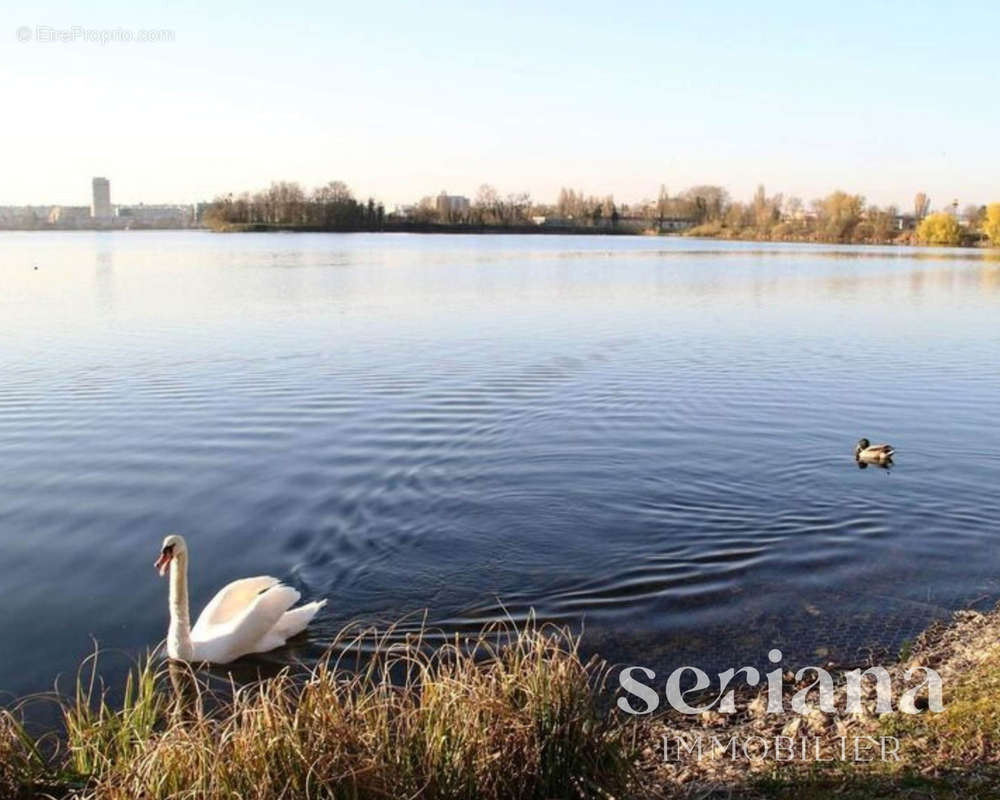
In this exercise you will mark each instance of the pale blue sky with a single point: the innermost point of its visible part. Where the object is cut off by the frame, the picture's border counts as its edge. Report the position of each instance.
(405, 99)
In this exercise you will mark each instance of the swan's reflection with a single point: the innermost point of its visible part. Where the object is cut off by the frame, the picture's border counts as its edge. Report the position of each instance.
(195, 688)
(187, 691)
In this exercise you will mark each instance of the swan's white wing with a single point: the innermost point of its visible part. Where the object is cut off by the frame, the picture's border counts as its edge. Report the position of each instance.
(229, 602)
(293, 622)
(241, 634)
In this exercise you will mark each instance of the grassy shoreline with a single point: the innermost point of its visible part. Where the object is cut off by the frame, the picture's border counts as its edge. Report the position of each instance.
(904, 239)
(507, 714)
(512, 713)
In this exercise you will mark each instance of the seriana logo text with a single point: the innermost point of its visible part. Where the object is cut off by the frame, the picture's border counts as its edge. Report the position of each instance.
(725, 702)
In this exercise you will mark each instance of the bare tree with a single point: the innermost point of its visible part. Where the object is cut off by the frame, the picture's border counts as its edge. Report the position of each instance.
(974, 215)
(766, 210)
(706, 203)
(285, 203)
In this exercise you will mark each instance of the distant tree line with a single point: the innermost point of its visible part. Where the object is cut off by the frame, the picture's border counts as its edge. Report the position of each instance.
(287, 205)
(840, 217)
(705, 210)
(488, 208)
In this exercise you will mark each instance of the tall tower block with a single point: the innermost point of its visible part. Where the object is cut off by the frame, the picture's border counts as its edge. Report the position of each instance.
(100, 208)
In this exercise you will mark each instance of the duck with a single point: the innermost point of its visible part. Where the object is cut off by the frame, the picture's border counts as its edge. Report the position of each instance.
(250, 615)
(873, 453)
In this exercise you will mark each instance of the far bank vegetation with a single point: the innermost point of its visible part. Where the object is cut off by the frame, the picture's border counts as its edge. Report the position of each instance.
(841, 217)
(701, 211)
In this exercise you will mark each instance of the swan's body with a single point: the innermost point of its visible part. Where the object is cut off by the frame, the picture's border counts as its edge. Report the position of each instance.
(873, 453)
(252, 615)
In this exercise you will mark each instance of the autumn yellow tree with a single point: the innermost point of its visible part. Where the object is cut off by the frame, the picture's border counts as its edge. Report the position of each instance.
(839, 214)
(991, 225)
(939, 228)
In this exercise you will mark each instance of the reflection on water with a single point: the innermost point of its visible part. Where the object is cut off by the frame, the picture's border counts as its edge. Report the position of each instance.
(886, 465)
(187, 692)
(650, 438)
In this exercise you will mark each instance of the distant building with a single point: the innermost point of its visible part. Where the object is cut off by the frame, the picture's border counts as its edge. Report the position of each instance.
(451, 205)
(101, 204)
(675, 223)
(550, 221)
(69, 216)
(403, 212)
(24, 217)
(101, 215)
(157, 216)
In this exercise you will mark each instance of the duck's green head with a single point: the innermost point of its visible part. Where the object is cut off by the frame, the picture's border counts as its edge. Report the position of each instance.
(861, 445)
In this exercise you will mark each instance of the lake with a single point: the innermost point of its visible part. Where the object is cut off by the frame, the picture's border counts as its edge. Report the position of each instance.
(649, 439)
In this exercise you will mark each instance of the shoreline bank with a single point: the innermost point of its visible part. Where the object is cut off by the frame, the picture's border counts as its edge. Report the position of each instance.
(859, 754)
(516, 230)
(534, 709)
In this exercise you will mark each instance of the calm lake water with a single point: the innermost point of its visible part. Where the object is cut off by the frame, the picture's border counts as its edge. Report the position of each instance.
(650, 439)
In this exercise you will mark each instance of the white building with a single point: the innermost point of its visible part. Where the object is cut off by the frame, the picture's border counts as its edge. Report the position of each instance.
(156, 216)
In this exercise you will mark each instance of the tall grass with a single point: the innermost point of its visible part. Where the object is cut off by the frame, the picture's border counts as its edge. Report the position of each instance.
(513, 713)
(22, 767)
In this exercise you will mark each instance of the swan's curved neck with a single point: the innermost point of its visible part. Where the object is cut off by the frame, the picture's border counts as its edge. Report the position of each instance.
(179, 635)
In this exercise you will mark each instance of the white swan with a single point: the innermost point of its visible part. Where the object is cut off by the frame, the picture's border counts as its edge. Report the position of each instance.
(252, 615)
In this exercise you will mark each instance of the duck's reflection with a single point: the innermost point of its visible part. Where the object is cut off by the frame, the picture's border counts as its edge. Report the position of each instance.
(886, 465)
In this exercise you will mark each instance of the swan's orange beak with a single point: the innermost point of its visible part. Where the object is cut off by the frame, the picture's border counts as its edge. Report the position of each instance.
(163, 561)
